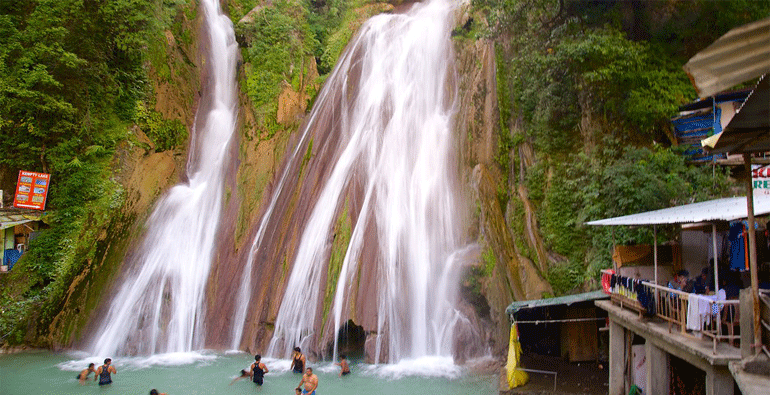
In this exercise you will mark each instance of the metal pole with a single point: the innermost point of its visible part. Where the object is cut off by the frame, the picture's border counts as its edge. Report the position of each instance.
(716, 265)
(752, 251)
(614, 264)
(655, 251)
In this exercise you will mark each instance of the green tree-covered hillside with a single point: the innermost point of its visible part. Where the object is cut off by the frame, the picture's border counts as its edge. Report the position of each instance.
(589, 87)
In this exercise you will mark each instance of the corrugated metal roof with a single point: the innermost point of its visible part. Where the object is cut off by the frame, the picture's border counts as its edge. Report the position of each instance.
(565, 300)
(708, 102)
(14, 216)
(749, 129)
(741, 54)
(727, 209)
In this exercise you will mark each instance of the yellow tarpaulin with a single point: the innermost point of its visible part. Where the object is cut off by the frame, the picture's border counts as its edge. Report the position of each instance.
(516, 378)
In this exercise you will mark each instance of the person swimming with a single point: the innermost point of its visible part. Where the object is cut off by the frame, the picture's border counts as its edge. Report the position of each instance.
(85, 372)
(244, 373)
(343, 364)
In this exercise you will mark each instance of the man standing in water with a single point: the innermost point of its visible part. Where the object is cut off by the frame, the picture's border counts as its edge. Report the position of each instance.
(311, 382)
(258, 370)
(298, 361)
(103, 372)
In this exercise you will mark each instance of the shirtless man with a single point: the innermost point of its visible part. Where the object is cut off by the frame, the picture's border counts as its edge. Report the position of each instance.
(343, 364)
(85, 372)
(311, 382)
(103, 372)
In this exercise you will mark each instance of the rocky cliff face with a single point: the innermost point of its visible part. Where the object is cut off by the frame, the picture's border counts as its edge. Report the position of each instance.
(504, 272)
(503, 269)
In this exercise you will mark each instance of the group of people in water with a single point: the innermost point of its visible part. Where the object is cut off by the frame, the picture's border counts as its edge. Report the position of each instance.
(309, 381)
(256, 372)
(104, 374)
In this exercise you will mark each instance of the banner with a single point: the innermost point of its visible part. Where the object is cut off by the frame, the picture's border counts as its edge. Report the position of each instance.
(760, 178)
(31, 190)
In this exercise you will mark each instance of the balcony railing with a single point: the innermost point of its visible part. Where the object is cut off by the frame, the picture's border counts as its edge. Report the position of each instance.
(764, 297)
(693, 315)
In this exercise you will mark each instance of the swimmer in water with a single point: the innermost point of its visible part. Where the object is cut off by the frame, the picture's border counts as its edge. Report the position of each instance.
(244, 373)
(85, 372)
(343, 364)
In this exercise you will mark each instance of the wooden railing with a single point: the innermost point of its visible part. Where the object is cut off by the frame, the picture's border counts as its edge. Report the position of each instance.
(764, 297)
(691, 314)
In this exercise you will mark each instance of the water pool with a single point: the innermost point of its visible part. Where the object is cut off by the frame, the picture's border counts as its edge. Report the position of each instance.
(42, 372)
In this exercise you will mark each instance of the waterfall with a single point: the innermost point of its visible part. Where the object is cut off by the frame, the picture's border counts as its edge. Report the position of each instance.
(394, 92)
(159, 306)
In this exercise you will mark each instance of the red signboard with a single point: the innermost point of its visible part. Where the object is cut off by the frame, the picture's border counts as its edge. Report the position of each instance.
(31, 190)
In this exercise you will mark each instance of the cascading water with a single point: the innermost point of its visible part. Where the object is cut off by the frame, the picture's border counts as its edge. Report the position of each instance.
(395, 99)
(160, 304)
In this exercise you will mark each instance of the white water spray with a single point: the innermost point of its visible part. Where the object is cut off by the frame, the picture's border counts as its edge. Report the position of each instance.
(160, 305)
(396, 136)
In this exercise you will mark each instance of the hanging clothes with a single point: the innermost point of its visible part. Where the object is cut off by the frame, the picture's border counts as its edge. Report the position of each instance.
(737, 246)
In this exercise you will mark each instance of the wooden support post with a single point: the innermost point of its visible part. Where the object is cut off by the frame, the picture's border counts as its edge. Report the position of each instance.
(752, 251)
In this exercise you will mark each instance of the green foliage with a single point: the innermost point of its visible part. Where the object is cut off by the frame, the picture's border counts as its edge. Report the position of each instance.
(165, 133)
(342, 234)
(71, 77)
(564, 277)
(278, 41)
(335, 45)
(488, 257)
(327, 21)
(625, 181)
(592, 86)
(625, 80)
(13, 314)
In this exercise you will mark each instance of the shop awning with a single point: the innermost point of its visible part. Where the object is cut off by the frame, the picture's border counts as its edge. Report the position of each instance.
(726, 209)
(749, 130)
(740, 55)
(12, 216)
(561, 300)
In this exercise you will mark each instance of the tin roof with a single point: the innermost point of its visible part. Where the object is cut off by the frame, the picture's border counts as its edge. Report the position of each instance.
(561, 300)
(726, 209)
(741, 54)
(16, 216)
(749, 130)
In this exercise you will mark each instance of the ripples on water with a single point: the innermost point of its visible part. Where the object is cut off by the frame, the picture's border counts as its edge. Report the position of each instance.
(205, 372)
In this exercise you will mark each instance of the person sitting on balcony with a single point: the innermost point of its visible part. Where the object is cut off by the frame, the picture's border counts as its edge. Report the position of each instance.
(679, 282)
(701, 284)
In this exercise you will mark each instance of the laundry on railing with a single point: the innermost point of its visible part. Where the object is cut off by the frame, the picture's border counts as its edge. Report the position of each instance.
(633, 289)
(698, 312)
(702, 309)
(646, 298)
